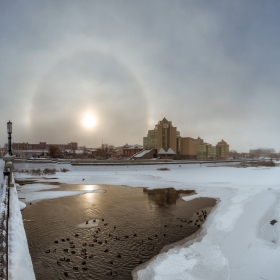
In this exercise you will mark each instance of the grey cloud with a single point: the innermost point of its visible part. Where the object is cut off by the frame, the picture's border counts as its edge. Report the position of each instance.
(211, 67)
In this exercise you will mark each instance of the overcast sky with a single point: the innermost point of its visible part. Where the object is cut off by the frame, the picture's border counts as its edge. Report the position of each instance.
(211, 67)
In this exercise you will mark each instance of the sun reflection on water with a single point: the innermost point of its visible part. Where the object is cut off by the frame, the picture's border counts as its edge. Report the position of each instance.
(91, 187)
(92, 197)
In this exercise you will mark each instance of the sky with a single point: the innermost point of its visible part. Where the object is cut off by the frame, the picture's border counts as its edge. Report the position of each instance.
(210, 67)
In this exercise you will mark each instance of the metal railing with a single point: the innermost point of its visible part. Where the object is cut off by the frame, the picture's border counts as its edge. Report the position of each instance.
(4, 219)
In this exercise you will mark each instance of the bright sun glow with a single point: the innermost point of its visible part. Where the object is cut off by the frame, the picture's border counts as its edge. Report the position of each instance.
(89, 121)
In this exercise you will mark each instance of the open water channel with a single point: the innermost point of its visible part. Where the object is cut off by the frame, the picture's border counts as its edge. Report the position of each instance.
(134, 225)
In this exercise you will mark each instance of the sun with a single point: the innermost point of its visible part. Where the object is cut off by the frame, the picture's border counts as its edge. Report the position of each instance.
(89, 121)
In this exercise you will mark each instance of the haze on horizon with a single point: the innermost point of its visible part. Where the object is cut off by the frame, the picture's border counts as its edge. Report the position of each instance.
(210, 68)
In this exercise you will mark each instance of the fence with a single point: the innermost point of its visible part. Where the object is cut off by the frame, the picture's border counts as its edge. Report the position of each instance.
(4, 215)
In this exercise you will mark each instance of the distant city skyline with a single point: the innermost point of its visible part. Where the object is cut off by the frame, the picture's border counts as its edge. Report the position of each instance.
(92, 70)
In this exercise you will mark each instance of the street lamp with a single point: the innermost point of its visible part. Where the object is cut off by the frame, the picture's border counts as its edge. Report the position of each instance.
(9, 130)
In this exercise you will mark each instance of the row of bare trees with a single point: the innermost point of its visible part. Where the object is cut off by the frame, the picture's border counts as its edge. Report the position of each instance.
(269, 153)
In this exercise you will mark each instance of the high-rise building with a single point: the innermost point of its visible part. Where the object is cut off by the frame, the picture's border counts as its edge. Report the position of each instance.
(222, 149)
(163, 138)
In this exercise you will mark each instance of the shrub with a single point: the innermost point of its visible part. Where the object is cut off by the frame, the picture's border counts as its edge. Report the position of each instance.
(35, 172)
(49, 171)
(163, 169)
(263, 163)
(64, 169)
(256, 163)
(19, 171)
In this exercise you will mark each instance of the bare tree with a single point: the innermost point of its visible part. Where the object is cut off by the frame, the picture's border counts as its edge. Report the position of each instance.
(53, 151)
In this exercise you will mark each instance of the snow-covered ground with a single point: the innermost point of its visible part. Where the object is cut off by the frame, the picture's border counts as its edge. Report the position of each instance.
(236, 242)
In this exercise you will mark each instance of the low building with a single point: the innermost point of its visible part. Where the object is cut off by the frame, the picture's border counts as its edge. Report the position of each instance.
(114, 156)
(25, 154)
(127, 150)
(131, 150)
(44, 146)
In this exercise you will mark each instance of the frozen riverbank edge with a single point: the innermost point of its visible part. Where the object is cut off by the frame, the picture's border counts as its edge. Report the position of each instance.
(237, 240)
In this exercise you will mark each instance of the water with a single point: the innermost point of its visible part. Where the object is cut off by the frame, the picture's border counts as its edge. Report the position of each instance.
(137, 224)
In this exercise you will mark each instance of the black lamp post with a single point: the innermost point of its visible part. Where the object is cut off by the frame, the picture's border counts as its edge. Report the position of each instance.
(9, 130)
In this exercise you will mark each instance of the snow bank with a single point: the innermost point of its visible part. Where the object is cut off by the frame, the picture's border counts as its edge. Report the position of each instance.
(20, 264)
(22, 205)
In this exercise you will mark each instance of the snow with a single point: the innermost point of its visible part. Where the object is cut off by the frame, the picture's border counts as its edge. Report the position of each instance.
(20, 264)
(141, 154)
(170, 152)
(162, 151)
(22, 205)
(237, 240)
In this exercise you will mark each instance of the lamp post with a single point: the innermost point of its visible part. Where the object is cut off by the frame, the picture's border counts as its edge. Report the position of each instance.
(9, 130)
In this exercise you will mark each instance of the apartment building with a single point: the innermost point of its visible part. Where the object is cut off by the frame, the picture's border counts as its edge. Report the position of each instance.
(187, 147)
(222, 149)
(170, 144)
(163, 138)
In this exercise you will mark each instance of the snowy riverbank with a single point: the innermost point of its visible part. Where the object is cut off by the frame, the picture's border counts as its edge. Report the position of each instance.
(237, 240)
